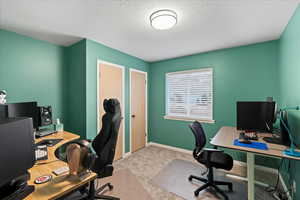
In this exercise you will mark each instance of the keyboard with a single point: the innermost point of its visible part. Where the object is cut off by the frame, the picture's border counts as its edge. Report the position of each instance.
(41, 152)
(249, 136)
(48, 142)
(44, 132)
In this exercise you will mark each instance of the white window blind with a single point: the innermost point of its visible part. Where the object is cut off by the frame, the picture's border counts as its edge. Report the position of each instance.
(190, 94)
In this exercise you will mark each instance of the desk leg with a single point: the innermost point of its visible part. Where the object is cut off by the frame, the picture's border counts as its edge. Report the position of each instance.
(91, 195)
(250, 175)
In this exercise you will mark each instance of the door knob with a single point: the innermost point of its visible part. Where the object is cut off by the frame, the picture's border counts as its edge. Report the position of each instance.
(132, 116)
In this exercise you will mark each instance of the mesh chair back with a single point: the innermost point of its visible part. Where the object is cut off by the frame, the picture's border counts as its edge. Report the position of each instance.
(200, 139)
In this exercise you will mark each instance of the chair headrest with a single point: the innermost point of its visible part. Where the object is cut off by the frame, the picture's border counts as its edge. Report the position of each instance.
(111, 106)
(199, 134)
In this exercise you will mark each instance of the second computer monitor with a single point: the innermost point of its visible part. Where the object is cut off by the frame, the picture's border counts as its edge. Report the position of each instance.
(255, 116)
(16, 149)
(24, 109)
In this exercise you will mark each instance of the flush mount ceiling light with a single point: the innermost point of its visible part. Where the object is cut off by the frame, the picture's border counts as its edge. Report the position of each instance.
(163, 19)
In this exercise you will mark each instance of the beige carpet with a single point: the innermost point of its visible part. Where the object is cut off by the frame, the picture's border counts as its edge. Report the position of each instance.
(126, 186)
(174, 178)
(146, 163)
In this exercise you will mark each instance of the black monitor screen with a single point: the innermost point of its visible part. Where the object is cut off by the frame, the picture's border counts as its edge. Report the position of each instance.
(26, 109)
(16, 148)
(255, 116)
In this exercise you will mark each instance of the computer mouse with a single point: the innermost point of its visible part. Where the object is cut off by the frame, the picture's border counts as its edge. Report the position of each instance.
(49, 142)
(246, 141)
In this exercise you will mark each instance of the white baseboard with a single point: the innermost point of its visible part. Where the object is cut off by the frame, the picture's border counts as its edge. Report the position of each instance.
(245, 179)
(243, 164)
(126, 155)
(170, 147)
(258, 167)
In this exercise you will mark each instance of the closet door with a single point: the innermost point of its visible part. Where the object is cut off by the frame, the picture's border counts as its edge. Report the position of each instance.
(111, 85)
(138, 110)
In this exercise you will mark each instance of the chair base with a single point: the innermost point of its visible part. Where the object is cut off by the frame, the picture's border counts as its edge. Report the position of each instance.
(105, 197)
(213, 184)
(101, 189)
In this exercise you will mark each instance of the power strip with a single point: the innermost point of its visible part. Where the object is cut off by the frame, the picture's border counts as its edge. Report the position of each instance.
(279, 196)
(61, 170)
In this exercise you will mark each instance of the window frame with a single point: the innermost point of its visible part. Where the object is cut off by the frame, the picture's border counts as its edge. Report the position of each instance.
(182, 118)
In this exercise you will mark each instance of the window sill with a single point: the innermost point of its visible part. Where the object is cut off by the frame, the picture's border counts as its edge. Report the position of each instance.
(189, 119)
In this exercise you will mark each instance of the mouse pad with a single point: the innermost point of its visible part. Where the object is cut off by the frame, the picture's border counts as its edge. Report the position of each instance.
(43, 142)
(255, 145)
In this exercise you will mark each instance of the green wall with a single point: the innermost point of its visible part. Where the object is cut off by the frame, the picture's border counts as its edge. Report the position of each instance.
(98, 51)
(289, 71)
(75, 90)
(64, 77)
(242, 73)
(32, 70)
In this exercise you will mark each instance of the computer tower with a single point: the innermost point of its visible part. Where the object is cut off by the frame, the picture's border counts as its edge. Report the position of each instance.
(284, 135)
(3, 111)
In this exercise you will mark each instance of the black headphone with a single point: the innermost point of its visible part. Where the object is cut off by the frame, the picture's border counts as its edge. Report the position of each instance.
(2, 92)
(90, 157)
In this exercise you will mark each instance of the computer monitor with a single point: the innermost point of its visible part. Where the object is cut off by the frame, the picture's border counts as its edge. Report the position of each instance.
(25, 109)
(255, 116)
(16, 149)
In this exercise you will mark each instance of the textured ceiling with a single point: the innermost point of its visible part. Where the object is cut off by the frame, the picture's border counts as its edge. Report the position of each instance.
(203, 25)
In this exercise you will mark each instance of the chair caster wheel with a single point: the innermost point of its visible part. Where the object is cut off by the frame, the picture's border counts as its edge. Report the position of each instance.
(196, 193)
(110, 187)
(190, 178)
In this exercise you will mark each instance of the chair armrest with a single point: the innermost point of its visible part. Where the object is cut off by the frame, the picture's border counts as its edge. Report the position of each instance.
(85, 143)
(212, 150)
(197, 151)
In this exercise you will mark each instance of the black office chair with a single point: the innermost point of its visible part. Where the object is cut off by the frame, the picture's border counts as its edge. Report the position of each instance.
(104, 145)
(211, 158)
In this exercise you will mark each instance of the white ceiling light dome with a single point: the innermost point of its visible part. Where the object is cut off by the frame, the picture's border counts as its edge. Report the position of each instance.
(163, 19)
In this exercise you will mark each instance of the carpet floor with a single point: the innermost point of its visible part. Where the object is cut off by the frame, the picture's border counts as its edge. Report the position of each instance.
(146, 163)
(126, 186)
(174, 178)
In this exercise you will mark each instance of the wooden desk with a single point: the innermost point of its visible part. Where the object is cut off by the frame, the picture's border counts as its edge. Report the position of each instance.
(226, 136)
(59, 185)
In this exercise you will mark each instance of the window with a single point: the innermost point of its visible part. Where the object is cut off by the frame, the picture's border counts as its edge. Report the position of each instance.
(189, 95)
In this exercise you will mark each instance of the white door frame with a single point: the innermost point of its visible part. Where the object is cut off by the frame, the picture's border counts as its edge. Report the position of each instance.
(99, 62)
(146, 105)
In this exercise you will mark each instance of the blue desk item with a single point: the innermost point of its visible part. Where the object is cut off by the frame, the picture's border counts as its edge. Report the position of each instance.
(291, 151)
(255, 145)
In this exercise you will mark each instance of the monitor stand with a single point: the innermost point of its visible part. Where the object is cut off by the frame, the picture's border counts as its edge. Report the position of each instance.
(44, 132)
(17, 190)
(20, 193)
(273, 140)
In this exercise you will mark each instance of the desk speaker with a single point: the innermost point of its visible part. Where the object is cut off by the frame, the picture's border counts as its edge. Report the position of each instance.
(45, 115)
